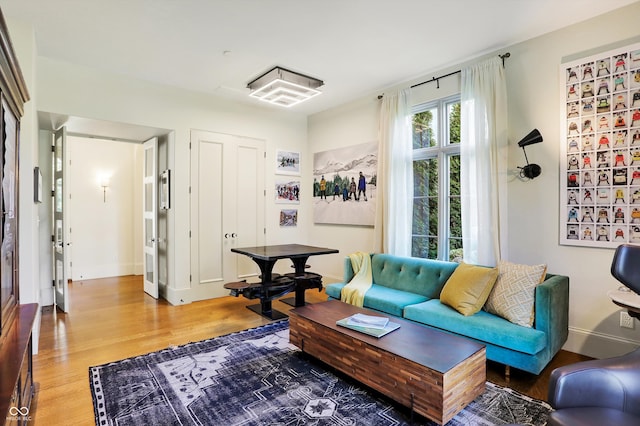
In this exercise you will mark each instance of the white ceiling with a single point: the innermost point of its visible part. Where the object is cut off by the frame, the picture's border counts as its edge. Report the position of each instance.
(357, 47)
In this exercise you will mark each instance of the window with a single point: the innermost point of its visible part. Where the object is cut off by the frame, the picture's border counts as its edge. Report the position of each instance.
(437, 221)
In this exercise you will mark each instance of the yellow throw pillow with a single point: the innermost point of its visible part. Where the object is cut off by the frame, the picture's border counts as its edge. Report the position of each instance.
(468, 287)
(514, 293)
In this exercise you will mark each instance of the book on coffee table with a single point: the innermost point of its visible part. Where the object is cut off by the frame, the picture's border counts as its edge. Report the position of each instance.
(369, 324)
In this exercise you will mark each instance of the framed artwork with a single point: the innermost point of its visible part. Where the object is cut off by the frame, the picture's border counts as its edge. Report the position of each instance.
(287, 163)
(37, 185)
(600, 149)
(288, 217)
(165, 195)
(287, 192)
(344, 185)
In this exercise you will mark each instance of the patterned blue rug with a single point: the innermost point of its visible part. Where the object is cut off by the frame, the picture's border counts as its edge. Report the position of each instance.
(255, 377)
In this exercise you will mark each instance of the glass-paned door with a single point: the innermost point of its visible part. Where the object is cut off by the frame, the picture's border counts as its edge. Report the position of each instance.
(149, 213)
(61, 296)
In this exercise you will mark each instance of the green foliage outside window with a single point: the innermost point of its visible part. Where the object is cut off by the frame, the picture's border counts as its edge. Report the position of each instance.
(434, 160)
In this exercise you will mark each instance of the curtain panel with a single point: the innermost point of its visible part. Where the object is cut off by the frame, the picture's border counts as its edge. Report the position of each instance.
(394, 215)
(483, 156)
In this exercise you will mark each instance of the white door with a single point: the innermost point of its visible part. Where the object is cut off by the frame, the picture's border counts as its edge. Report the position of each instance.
(228, 202)
(150, 216)
(61, 295)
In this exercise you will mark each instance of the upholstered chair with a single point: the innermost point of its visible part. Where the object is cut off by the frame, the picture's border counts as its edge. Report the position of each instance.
(605, 391)
(625, 266)
(597, 392)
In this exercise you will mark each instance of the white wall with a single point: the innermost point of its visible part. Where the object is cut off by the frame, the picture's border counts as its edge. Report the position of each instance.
(104, 241)
(64, 88)
(534, 99)
(29, 215)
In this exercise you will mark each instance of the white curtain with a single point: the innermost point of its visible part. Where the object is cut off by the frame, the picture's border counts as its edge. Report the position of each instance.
(395, 176)
(483, 153)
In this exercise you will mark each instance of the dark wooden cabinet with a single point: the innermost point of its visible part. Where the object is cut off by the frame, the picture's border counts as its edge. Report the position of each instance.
(16, 320)
(16, 367)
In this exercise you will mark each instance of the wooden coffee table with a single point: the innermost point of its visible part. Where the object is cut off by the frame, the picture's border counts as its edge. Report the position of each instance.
(434, 373)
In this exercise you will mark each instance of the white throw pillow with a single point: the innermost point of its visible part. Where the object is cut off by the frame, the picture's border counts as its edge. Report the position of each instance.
(513, 294)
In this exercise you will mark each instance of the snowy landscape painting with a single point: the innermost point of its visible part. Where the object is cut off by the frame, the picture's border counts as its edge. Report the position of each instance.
(344, 185)
(287, 163)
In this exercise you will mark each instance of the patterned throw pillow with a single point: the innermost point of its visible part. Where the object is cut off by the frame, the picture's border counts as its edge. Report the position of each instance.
(514, 292)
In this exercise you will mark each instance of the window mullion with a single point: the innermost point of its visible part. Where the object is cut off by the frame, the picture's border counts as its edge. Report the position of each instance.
(443, 204)
(443, 178)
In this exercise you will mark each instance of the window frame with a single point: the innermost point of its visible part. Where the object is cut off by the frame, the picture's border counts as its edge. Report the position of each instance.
(442, 152)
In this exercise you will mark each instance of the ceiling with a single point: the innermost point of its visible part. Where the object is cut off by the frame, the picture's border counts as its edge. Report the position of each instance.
(357, 47)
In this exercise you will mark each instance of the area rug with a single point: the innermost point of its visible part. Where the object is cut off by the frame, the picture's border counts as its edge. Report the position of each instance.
(255, 377)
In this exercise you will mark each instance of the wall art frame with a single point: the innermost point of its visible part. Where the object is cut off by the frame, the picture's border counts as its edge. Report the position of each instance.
(165, 190)
(287, 192)
(287, 163)
(345, 185)
(288, 218)
(37, 185)
(600, 149)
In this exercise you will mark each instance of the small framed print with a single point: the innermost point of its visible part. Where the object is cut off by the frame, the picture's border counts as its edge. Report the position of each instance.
(165, 192)
(288, 192)
(37, 185)
(287, 163)
(288, 217)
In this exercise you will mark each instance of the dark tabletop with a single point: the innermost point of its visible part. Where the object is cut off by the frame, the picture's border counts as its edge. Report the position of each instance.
(436, 349)
(284, 251)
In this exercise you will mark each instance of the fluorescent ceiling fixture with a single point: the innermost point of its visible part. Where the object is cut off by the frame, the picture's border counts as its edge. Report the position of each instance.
(282, 87)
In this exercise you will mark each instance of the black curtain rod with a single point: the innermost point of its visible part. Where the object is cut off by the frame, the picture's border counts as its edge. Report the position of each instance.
(437, 79)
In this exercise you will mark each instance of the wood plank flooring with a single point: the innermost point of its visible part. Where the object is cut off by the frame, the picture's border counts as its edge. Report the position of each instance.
(112, 319)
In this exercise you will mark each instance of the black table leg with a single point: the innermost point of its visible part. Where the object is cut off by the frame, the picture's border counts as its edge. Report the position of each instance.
(264, 308)
(299, 264)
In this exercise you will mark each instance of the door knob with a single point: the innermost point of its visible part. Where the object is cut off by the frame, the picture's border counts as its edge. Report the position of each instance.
(233, 235)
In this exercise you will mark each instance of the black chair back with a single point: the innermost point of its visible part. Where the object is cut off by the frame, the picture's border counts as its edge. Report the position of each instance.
(625, 266)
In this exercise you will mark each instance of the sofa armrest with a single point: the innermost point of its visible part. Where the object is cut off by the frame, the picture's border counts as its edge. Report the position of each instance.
(610, 383)
(348, 270)
(552, 310)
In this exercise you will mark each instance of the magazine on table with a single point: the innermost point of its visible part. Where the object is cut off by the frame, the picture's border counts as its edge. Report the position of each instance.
(369, 324)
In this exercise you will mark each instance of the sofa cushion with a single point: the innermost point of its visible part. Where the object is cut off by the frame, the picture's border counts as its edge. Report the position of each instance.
(421, 276)
(468, 287)
(513, 294)
(381, 298)
(483, 326)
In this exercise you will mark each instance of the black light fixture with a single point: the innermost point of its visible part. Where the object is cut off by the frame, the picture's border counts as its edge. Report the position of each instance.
(530, 170)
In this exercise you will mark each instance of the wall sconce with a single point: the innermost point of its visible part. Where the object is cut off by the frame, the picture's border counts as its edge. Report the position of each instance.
(104, 183)
(283, 87)
(530, 171)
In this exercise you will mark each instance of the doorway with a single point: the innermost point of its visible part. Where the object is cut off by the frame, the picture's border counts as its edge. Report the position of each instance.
(105, 201)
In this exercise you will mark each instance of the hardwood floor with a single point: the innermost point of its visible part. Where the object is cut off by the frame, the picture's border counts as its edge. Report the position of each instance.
(113, 318)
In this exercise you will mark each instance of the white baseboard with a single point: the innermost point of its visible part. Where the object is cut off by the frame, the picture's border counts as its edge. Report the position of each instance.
(46, 296)
(598, 345)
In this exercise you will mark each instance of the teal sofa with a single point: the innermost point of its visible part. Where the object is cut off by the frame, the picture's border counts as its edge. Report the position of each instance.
(410, 288)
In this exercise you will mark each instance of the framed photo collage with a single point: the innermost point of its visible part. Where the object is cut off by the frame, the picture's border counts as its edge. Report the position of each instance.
(600, 149)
